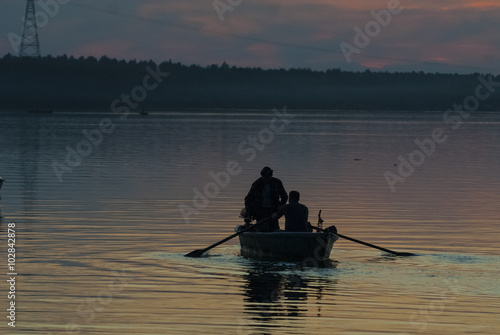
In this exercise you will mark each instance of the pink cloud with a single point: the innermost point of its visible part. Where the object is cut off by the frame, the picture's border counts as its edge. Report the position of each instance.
(110, 48)
(281, 33)
(264, 53)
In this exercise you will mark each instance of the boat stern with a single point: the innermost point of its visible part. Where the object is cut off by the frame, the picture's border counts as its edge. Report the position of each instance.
(287, 245)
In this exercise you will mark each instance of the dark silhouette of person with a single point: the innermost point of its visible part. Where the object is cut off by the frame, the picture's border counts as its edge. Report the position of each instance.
(265, 197)
(296, 214)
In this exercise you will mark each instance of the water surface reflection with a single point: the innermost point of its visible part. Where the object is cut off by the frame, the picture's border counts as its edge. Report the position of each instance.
(119, 211)
(279, 295)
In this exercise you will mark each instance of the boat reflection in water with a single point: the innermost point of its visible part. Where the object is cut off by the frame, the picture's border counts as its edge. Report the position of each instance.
(279, 285)
(280, 295)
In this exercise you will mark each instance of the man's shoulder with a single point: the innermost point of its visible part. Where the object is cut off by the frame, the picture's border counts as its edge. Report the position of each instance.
(276, 180)
(257, 181)
(296, 205)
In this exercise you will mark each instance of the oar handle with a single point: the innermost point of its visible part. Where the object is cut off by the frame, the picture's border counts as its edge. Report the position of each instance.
(235, 234)
(361, 242)
(198, 253)
(367, 244)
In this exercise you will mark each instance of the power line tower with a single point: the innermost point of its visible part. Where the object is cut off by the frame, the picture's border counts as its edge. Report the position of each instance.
(30, 45)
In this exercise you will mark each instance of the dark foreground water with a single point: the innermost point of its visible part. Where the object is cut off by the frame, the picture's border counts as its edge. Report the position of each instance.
(105, 208)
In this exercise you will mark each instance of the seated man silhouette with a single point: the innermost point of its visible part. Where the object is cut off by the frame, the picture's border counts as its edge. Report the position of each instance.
(296, 214)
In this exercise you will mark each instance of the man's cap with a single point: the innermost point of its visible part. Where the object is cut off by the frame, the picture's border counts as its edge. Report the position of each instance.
(266, 171)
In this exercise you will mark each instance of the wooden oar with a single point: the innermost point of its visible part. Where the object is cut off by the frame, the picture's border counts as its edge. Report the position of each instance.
(200, 252)
(396, 253)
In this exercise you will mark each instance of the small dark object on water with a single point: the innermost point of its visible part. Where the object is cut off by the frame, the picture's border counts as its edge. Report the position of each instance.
(40, 111)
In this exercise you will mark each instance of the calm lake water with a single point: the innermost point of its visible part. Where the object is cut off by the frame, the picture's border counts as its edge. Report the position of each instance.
(102, 224)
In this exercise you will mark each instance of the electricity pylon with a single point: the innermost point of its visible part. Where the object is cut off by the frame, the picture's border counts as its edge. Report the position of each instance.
(30, 45)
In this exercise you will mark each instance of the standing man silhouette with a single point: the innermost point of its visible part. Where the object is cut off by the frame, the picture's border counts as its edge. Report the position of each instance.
(265, 197)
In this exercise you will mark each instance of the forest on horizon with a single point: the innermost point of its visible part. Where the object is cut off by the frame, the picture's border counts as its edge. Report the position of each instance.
(63, 82)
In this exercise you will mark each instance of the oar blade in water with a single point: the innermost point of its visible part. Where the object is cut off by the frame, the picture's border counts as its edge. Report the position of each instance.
(195, 253)
(405, 254)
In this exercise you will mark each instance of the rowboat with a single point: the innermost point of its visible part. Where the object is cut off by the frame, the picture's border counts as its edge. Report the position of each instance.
(308, 247)
(284, 245)
(1, 182)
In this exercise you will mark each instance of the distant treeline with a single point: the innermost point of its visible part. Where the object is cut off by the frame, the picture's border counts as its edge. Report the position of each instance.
(66, 82)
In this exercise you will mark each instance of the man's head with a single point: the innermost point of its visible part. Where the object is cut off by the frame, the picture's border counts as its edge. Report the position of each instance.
(266, 173)
(294, 196)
